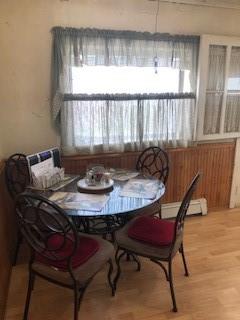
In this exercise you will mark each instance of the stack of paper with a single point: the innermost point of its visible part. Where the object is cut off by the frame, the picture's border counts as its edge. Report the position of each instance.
(45, 175)
(140, 188)
(79, 201)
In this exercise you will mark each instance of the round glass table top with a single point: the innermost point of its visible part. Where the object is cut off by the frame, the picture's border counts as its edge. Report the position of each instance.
(116, 204)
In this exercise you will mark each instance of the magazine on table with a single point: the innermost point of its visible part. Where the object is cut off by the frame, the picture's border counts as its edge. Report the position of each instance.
(140, 188)
(79, 201)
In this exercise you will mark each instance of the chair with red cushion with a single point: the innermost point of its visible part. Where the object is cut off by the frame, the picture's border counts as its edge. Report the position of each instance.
(156, 239)
(58, 253)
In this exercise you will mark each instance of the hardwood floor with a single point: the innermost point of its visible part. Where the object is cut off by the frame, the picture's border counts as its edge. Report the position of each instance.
(212, 292)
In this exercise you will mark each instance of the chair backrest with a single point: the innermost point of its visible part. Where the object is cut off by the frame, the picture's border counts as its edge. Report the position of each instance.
(179, 222)
(154, 161)
(16, 174)
(46, 228)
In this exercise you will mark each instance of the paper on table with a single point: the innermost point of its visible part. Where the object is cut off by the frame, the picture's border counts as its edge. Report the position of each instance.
(124, 175)
(140, 188)
(79, 201)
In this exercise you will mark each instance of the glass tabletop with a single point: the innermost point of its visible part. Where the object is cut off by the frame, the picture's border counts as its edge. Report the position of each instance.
(116, 205)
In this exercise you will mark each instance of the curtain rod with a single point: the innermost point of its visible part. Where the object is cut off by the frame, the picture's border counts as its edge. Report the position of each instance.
(125, 97)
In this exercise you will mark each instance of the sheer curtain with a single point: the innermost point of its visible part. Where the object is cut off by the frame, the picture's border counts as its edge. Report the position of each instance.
(105, 123)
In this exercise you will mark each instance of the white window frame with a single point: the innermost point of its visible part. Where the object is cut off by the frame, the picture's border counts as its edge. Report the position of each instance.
(205, 42)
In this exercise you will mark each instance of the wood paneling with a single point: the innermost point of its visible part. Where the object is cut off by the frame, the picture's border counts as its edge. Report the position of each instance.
(214, 161)
(7, 239)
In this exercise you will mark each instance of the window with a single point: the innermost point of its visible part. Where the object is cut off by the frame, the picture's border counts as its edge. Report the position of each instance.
(131, 80)
(123, 90)
(219, 89)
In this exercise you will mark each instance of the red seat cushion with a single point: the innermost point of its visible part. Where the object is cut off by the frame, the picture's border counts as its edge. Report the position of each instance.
(87, 247)
(153, 231)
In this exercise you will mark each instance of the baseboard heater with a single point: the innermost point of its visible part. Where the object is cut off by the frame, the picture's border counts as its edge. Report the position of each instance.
(170, 210)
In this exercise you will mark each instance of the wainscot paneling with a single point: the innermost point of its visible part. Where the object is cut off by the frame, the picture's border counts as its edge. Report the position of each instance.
(214, 160)
(7, 239)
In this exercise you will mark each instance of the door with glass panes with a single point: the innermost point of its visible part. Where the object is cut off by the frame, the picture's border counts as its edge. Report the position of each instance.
(219, 88)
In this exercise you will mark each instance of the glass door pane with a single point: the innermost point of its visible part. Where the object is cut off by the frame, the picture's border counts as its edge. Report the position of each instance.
(215, 88)
(232, 115)
(213, 108)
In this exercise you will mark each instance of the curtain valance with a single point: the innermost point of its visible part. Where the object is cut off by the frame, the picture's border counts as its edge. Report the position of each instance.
(121, 34)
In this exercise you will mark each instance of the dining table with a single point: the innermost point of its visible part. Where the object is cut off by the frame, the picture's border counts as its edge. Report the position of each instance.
(117, 210)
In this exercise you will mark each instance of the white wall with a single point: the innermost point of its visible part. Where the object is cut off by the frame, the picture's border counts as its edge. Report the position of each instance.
(25, 54)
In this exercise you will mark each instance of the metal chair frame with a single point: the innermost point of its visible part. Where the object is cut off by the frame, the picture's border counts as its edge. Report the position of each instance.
(176, 245)
(154, 162)
(38, 219)
(147, 163)
(16, 184)
(17, 178)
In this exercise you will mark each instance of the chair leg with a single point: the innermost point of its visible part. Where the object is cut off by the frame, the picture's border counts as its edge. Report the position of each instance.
(136, 259)
(29, 292)
(160, 211)
(118, 269)
(76, 301)
(132, 256)
(128, 257)
(116, 253)
(112, 235)
(110, 271)
(81, 294)
(184, 260)
(163, 268)
(171, 286)
(19, 241)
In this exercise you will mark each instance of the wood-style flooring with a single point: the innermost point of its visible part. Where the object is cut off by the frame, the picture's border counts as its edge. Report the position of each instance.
(212, 292)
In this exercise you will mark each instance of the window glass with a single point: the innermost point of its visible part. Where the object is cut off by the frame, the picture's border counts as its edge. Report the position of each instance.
(232, 115)
(131, 80)
(215, 88)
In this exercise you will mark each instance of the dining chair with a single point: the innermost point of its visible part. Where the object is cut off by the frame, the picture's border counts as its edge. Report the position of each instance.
(59, 253)
(16, 174)
(17, 178)
(156, 239)
(154, 162)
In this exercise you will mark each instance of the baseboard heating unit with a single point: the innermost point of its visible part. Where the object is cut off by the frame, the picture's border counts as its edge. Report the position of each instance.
(199, 206)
